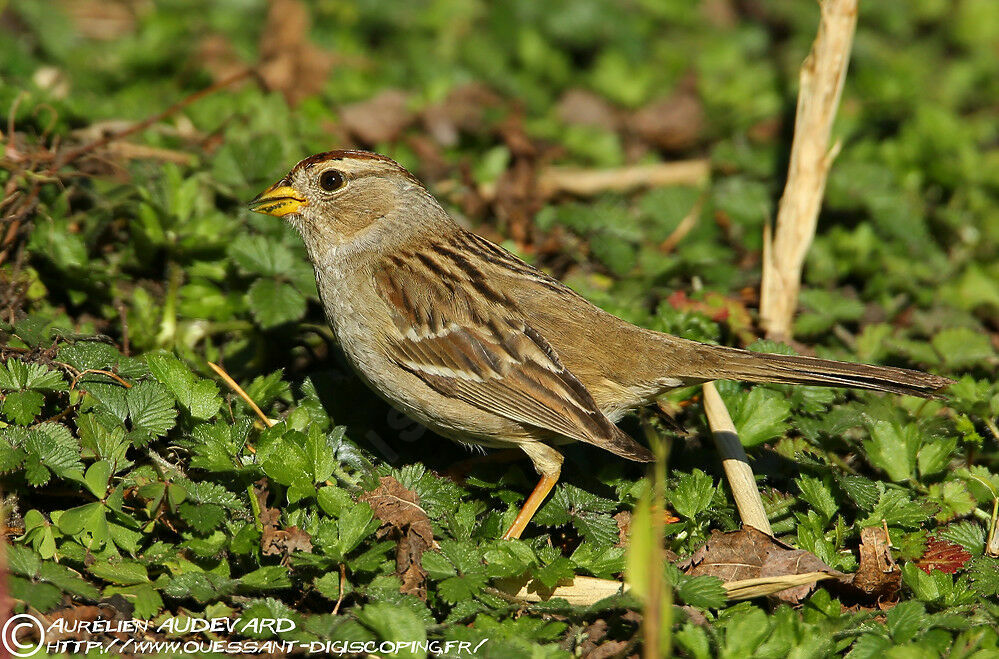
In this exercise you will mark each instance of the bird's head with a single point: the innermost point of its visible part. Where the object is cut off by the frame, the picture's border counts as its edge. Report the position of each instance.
(334, 198)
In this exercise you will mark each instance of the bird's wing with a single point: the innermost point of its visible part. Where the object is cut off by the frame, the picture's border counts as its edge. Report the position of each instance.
(464, 337)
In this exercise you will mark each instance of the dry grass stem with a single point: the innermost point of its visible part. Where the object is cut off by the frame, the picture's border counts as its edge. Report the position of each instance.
(821, 79)
(745, 589)
(242, 394)
(586, 591)
(734, 461)
(581, 591)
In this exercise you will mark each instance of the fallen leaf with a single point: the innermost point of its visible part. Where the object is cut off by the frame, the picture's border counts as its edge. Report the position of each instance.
(404, 521)
(463, 110)
(674, 123)
(275, 541)
(751, 554)
(381, 118)
(584, 108)
(943, 555)
(216, 54)
(623, 520)
(290, 63)
(878, 575)
(101, 20)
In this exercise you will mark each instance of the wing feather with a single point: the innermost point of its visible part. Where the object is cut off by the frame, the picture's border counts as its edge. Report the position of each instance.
(468, 341)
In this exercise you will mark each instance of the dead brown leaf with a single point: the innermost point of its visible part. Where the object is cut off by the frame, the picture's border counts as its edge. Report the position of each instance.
(878, 576)
(216, 54)
(101, 20)
(943, 555)
(674, 123)
(275, 541)
(584, 108)
(463, 110)
(752, 554)
(381, 118)
(290, 63)
(404, 521)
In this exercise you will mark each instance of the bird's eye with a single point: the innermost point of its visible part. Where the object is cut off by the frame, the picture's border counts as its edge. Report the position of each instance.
(331, 180)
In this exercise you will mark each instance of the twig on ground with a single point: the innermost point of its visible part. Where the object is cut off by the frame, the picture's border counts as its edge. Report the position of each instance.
(734, 462)
(554, 180)
(343, 580)
(588, 182)
(821, 78)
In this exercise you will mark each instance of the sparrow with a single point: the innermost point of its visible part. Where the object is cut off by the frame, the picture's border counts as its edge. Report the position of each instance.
(483, 348)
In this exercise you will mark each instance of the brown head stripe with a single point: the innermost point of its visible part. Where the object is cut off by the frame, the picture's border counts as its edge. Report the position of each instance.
(349, 154)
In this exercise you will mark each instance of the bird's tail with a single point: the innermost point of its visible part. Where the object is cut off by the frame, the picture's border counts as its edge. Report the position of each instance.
(722, 363)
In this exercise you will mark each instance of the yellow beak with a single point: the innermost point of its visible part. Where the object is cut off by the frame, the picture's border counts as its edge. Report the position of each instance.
(278, 200)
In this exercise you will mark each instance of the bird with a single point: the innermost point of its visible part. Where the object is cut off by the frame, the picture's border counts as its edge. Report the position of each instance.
(483, 348)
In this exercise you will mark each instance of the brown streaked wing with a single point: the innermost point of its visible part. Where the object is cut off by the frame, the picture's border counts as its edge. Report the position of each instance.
(464, 339)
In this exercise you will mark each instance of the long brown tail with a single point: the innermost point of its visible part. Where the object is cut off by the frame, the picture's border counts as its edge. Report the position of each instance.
(722, 363)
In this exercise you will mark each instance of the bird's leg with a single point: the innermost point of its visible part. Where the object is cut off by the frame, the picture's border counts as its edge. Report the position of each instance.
(548, 462)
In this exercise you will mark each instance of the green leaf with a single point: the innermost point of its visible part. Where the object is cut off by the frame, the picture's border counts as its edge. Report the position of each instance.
(67, 580)
(198, 396)
(984, 573)
(704, 592)
(759, 416)
(395, 623)
(84, 355)
(123, 572)
(893, 449)
(568, 500)
(22, 407)
(863, 491)
(41, 596)
(51, 447)
(692, 493)
(150, 408)
(97, 477)
(953, 498)
(968, 534)
(144, 597)
(201, 586)
(895, 508)
(818, 495)
(269, 577)
(870, 646)
(599, 528)
(962, 347)
(905, 620)
(438, 567)
(558, 571)
(934, 456)
(88, 523)
(460, 588)
(274, 303)
(256, 254)
(602, 562)
(203, 517)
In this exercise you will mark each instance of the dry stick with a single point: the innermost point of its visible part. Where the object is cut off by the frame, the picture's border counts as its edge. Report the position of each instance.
(588, 182)
(822, 75)
(553, 180)
(734, 462)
